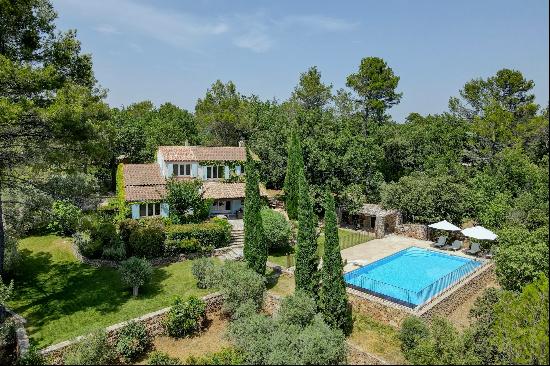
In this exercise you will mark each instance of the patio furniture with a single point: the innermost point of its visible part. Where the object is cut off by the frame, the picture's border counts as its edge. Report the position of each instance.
(490, 254)
(441, 242)
(474, 249)
(456, 245)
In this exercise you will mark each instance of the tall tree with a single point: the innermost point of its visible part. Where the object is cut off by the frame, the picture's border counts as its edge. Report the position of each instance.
(218, 115)
(333, 299)
(294, 164)
(255, 247)
(306, 274)
(311, 93)
(375, 84)
(49, 105)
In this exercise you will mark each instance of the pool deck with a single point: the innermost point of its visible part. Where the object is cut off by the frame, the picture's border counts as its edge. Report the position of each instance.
(373, 250)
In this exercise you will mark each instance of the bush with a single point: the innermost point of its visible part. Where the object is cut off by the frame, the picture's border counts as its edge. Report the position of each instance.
(185, 317)
(135, 272)
(321, 345)
(297, 309)
(7, 341)
(238, 284)
(413, 330)
(32, 357)
(185, 246)
(227, 356)
(65, 218)
(132, 341)
(147, 239)
(161, 358)
(203, 270)
(277, 230)
(214, 233)
(92, 350)
(86, 246)
(11, 254)
(126, 228)
(117, 252)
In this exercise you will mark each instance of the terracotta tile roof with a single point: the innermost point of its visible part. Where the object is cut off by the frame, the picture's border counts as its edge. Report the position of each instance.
(142, 174)
(202, 153)
(218, 190)
(145, 193)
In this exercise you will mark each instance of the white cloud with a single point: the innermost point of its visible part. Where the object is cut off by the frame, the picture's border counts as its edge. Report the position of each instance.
(255, 41)
(106, 29)
(317, 22)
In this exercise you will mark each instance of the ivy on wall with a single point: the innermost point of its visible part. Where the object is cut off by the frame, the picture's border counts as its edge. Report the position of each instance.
(123, 209)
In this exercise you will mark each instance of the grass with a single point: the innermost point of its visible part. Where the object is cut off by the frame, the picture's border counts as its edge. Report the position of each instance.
(62, 298)
(377, 338)
(282, 285)
(347, 238)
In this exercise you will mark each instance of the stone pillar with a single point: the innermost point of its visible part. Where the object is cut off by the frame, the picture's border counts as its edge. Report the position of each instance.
(379, 227)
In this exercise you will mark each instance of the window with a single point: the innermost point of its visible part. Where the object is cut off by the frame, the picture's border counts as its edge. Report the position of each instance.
(221, 206)
(181, 170)
(242, 169)
(215, 172)
(149, 209)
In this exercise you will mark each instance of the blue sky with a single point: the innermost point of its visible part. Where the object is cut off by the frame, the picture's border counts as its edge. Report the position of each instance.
(172, 51)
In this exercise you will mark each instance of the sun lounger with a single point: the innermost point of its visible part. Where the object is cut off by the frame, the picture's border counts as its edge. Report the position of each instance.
(474, 249)
(441, 242)
(456, 245)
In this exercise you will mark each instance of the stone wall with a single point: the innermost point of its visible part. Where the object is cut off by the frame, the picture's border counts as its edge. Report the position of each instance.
(21, 338)
(152, 321)
(272, 303)
(384, 311)
(416, 231)
(457, 295)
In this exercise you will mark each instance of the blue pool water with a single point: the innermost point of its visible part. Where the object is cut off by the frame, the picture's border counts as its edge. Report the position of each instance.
(412, 276)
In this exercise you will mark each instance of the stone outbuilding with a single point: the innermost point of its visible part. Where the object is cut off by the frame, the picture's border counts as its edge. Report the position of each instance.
(372, 218)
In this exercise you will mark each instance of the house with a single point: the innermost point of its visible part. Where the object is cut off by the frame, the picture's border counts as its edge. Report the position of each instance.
(220, 168)
(372, 218)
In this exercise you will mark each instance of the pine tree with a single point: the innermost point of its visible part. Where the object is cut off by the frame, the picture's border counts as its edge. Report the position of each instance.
(306, 274)
(255, 247)
(333, 299)
(291, 187)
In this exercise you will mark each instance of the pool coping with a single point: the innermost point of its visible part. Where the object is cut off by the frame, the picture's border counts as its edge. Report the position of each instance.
(422, 308)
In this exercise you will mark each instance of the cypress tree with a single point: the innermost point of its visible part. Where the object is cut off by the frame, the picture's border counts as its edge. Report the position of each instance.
(255, 247)
(291, 188)
(333, 299)
(306, 274)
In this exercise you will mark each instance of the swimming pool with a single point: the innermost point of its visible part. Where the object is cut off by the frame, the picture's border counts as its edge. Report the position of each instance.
(411, 276)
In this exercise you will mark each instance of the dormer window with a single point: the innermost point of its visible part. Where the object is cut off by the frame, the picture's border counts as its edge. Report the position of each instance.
(181, 170)
(215, 172)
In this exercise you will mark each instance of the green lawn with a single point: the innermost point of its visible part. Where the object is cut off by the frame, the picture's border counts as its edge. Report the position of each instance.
(347, 238)
(62, 298)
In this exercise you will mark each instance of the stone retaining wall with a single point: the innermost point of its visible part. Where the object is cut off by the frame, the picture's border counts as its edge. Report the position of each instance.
(452, 299)
(417, 231)
(272, 303)
(152, 321)
(384, 311)
(21, 338)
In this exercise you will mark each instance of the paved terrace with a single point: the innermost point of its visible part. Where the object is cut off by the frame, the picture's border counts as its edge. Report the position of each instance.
(373, 250)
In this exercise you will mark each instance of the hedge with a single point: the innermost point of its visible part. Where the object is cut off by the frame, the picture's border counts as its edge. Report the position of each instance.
(215, 233)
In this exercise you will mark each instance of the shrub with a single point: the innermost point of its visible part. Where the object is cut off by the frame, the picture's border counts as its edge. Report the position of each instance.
(147, 240)
(125, 229)
(185, 246)
(321, 345)
(277, 230)
(132, 341)
(413, 330)
(32, 357)
(64, 218)
(7, 341)
(186, 201)
(11, 254)
(86, 246)
(161, 358)
(116, 252)
(185, 317)
(298, 309)
(214, 233)
(135, 272)
(227, 356)
(203, 270)
(92, 350)
(238, 284)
